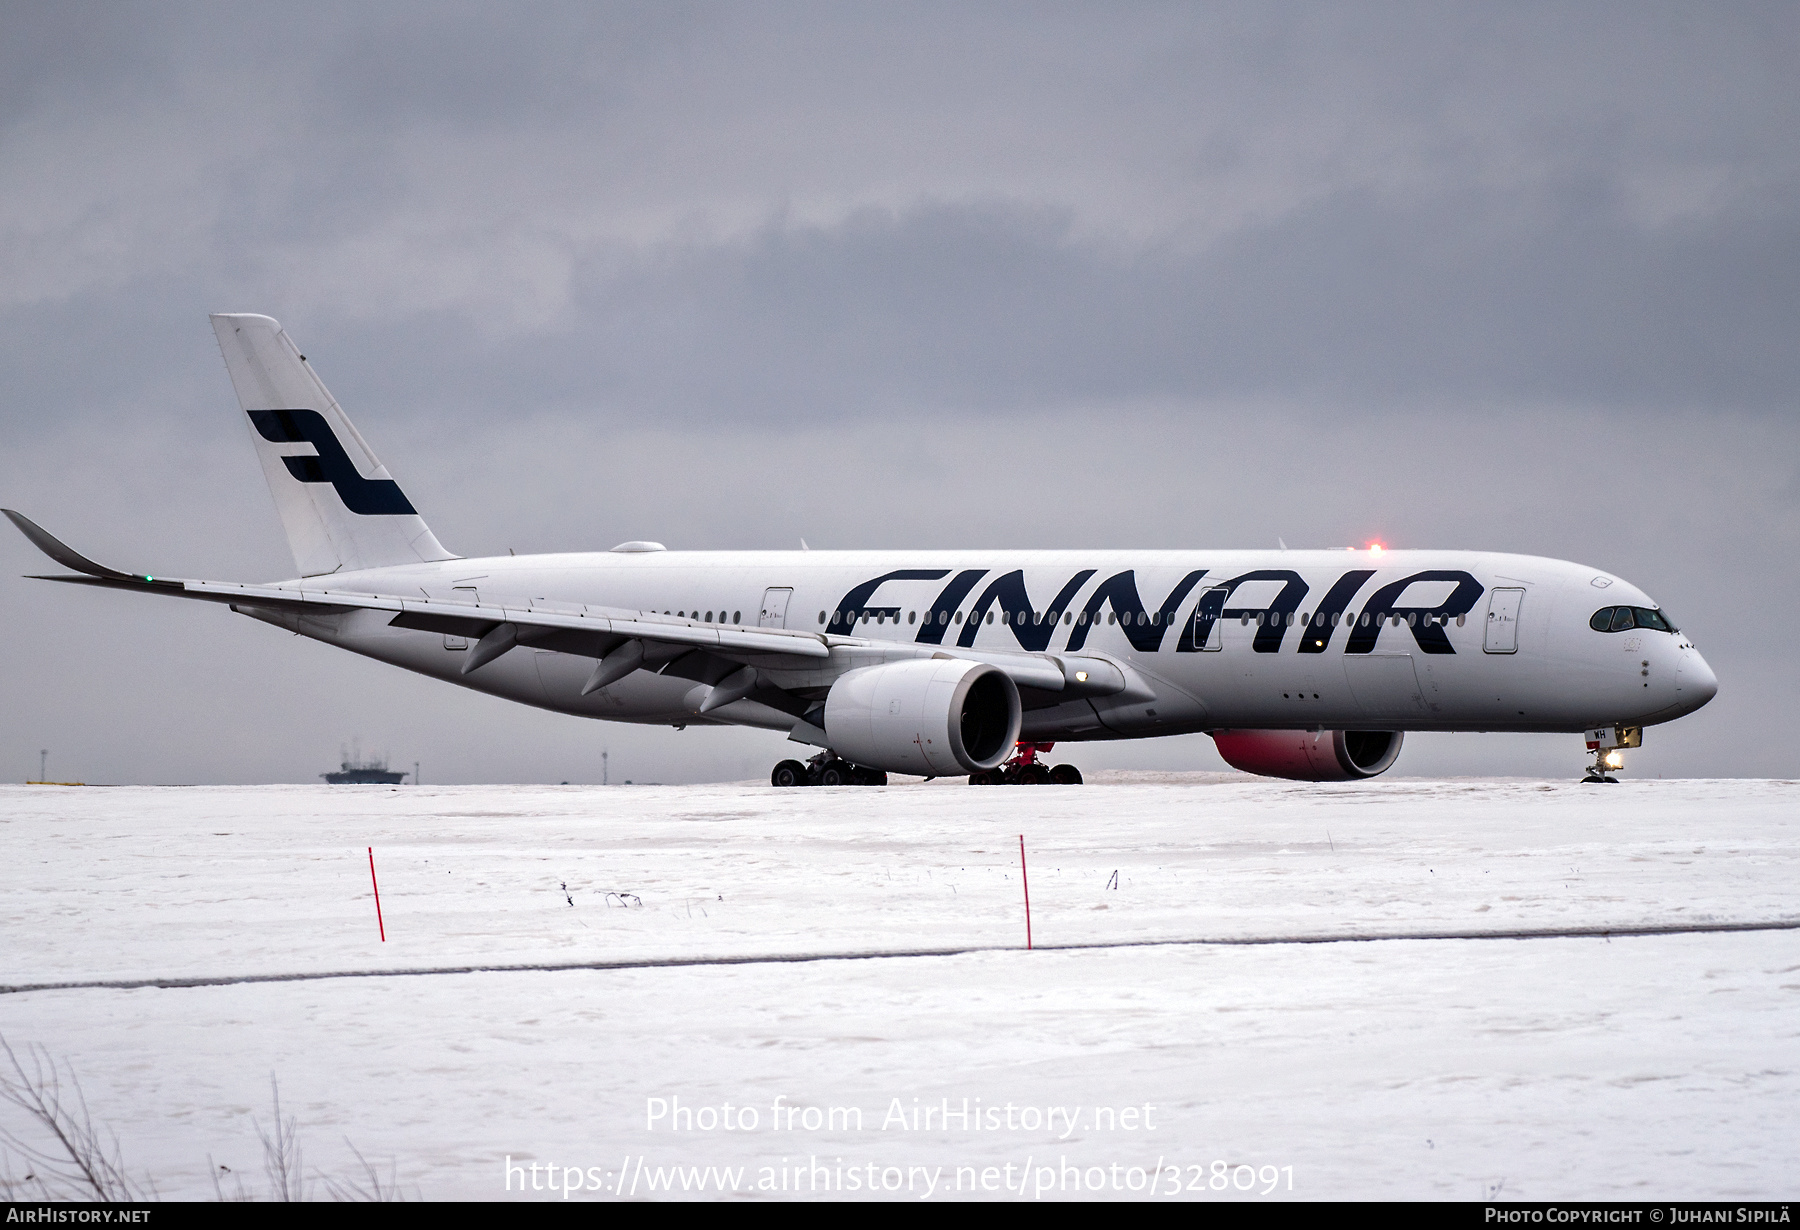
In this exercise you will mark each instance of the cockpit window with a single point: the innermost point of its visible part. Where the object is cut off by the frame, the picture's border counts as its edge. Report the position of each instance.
(1619, 618)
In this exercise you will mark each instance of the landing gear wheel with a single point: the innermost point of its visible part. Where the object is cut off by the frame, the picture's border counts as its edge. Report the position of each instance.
(1604, 759)
(869, 777)
(788, 773)
(836, 773)
(1025, 769)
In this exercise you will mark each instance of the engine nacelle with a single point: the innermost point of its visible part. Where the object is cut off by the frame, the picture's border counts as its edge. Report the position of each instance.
(936, 717)
(1310, 756)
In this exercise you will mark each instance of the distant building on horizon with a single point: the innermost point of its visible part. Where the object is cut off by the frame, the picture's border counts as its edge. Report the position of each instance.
(355, 771)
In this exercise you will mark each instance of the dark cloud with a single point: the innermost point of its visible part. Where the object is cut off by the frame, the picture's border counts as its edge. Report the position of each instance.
(1557, 298)
(977, 309)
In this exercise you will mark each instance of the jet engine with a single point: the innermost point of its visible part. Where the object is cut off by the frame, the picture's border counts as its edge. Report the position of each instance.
(936, 716)
(1310, 756)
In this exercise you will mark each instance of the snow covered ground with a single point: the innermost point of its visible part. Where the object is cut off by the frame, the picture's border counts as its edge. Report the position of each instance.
(1548, 1068)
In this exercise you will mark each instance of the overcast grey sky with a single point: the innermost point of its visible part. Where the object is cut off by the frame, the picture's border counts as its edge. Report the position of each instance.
(1501, 277)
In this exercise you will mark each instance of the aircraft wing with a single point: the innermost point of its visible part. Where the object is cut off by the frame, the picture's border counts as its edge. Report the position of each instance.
(620, 640)
(457, 618)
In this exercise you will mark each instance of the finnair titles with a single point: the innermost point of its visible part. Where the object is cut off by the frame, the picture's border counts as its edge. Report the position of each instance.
(1309, 665)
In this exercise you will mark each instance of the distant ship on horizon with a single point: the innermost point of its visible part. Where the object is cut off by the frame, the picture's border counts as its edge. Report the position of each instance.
(353, 770)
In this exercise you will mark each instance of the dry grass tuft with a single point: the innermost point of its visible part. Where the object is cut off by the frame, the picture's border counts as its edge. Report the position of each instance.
(74, 1158)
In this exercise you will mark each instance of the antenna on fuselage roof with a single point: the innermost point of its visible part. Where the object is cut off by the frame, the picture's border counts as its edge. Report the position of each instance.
(1283, 544)
(803, 545)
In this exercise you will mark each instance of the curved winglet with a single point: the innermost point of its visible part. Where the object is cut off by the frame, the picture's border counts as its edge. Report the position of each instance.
(61, 552)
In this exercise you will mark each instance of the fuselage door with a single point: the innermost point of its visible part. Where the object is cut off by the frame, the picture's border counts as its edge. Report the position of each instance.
(1503, 621)
(774, 608)
(1207, 622)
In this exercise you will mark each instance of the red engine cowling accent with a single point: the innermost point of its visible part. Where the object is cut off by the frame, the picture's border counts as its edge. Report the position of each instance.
(1310, 756)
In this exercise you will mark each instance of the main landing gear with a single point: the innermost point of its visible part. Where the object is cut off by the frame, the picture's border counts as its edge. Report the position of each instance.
(1025, 769)
(825, 769)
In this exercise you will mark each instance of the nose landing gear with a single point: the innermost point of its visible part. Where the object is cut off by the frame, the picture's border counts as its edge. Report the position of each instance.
(1025, 769)
(1597, 772)
(1607, 744)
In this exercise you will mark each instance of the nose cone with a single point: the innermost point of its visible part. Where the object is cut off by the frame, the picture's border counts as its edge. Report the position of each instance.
(1695, 682)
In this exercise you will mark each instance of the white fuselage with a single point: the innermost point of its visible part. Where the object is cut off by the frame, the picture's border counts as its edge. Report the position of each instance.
(1222, 639)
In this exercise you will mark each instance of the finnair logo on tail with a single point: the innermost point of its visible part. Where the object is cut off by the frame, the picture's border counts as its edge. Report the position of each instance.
(367, 496)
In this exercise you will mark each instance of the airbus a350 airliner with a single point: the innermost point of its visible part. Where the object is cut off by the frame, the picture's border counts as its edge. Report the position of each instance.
(1300, 664)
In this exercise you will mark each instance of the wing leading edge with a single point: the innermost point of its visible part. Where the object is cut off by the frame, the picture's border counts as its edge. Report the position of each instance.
(621, 641)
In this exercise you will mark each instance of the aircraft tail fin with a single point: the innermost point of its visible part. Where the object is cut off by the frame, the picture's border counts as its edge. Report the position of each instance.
(341, 509)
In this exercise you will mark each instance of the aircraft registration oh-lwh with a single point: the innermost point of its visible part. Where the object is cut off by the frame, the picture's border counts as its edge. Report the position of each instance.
(1300, 664)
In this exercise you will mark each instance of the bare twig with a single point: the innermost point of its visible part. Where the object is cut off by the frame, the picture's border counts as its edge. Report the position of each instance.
(372, 1187)
(84, 1161)
(81, 1161)
(281, 1153)
(31, 1187)
(237, 1195)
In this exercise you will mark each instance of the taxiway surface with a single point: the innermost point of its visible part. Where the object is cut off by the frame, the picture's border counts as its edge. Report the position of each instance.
(1649, 1066)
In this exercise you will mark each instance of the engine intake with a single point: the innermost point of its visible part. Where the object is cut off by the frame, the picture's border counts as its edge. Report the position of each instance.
(936, 717)
(1310, 756)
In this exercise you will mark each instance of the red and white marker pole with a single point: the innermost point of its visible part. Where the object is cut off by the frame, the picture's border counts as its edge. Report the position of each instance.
(377, 888)
(1023, 881)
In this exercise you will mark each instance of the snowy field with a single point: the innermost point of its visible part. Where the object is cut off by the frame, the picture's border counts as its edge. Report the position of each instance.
(1662, 1066)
